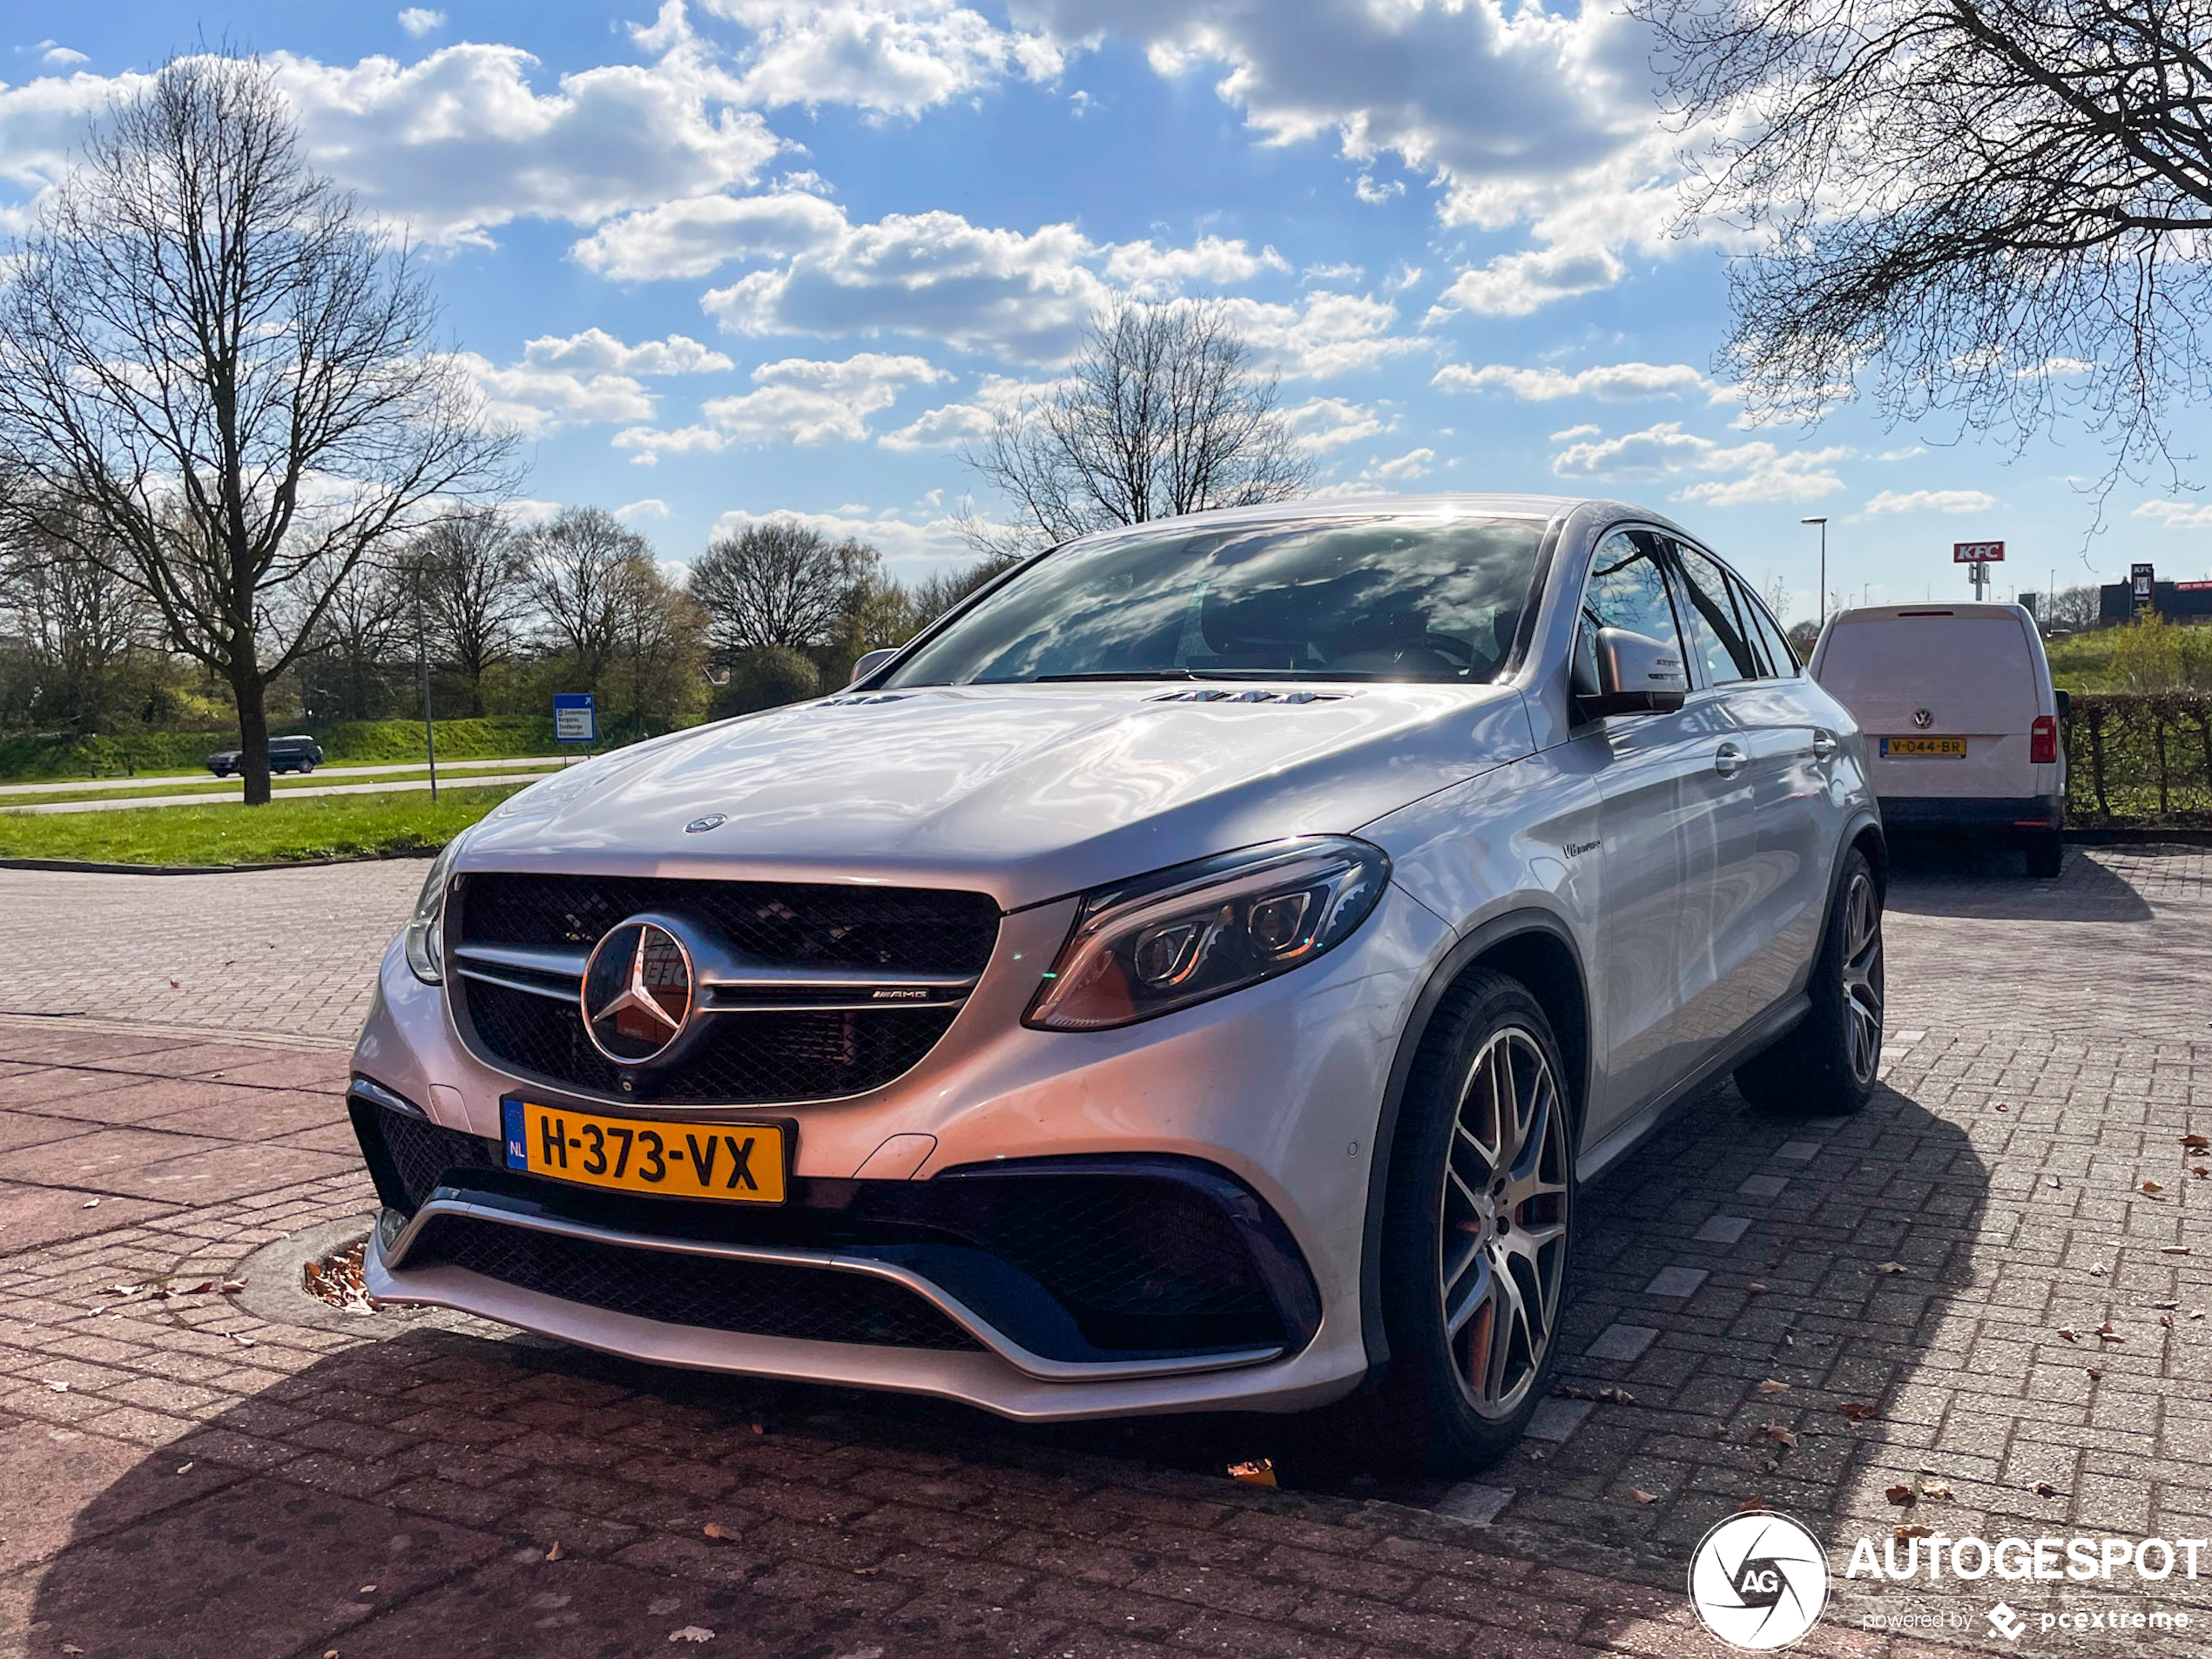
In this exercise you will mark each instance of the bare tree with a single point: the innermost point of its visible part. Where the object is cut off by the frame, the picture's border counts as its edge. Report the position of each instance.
(1163, 413)
(78, 620)
(659, 641)
(361, 635)
(580, 564)
(207, 352)
(2072, 609)
(778, 582)
(1994, 208)
(475, 572)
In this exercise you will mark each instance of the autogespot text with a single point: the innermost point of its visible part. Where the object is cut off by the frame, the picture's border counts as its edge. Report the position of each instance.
(1939, 1556)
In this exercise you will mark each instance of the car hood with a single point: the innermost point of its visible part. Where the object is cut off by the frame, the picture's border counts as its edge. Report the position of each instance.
(1024, 791)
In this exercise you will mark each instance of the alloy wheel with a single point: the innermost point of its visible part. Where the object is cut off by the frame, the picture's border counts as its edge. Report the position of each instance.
(1502, 1254)
(1863, 977)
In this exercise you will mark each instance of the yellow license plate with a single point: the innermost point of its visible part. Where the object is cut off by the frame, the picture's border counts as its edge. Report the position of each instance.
(1955, 747)
(739, 1162)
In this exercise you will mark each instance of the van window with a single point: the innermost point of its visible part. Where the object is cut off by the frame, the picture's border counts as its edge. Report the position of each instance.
(1977, 668)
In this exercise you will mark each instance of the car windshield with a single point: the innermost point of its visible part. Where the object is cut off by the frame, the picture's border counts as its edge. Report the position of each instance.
(1377, 597)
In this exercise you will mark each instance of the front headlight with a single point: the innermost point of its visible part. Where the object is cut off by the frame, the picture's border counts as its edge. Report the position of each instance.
(1180, 936)
(426, 928)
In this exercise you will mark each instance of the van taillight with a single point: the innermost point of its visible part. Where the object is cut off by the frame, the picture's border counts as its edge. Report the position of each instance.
(2043, 741)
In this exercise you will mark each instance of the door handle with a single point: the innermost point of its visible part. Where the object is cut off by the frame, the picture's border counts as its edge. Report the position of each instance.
(1823, 743)
(1728, 760)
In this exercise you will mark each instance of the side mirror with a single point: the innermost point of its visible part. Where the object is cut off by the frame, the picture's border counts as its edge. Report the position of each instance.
(870, 661)
(2065, 703)
(1635, 675)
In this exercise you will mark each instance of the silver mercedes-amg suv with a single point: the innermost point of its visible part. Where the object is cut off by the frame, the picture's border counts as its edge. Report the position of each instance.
(1197, 972)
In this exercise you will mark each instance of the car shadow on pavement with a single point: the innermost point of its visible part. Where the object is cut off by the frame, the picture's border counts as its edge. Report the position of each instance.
(1938, 877)
(1752, 1276)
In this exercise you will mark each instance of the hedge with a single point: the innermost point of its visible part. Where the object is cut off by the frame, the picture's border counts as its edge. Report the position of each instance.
(2139, 757)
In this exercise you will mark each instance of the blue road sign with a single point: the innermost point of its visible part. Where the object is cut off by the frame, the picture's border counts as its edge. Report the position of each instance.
(576, 717)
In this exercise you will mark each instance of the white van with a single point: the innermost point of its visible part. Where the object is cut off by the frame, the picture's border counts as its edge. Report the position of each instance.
(1961, 721)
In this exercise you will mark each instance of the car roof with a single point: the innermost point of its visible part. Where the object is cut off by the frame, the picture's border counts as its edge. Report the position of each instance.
(1927, 609)
(1452, 505)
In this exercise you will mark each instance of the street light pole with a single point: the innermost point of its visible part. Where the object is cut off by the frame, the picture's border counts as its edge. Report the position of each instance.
(1824, 565)
(422, 660)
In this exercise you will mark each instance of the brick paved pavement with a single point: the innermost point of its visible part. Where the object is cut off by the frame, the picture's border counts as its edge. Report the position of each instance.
(217, 1476)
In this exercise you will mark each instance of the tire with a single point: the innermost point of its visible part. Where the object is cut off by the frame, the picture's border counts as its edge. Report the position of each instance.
(305, 768)
(2046, 854)
(1475, 1232)
(1825, 1065)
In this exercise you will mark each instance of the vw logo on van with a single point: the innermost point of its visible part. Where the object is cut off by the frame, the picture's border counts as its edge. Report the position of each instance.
(1923, 718)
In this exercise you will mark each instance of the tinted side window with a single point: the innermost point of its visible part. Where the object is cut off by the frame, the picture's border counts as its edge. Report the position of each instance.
(1717, 634)
(1777, 642)
(1627, 588)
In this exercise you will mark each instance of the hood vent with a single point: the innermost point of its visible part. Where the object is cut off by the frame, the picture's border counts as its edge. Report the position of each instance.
(865, 697)
(1249, 697)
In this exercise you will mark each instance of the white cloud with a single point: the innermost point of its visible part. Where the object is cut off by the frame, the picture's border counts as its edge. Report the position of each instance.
(1761, 472)
(1610, 382)
(1906, 453)
(1415, 464)
(692, 235)
(2178, 514)
(969, 421)
(799, 400)
(1375, 194)
(1512, 285)
(653, 506)
(889, 59)
(419, 21)
(1146, 270)
(1344, 271)
(56, 56)
(534, 401)
(462, 142)
(1933, 501)
(595, 351)
(1575, 432)
(1325, 334)
(1326, 423)
(932, 542)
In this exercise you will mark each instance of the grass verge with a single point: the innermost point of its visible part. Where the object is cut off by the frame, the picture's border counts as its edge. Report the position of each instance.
(320, 826)
(228, 788)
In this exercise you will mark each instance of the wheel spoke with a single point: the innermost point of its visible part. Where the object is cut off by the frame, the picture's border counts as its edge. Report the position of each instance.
(1481, 1291)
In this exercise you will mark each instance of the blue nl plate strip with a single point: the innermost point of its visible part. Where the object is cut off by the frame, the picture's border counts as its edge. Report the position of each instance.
(510, 1111)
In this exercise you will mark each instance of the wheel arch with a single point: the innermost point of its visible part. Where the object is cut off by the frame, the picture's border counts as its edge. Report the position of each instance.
(1533, 946)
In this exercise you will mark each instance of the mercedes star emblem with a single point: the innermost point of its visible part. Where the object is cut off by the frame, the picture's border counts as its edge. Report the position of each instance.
(1923, 718)
(636, 991)
(701, 826)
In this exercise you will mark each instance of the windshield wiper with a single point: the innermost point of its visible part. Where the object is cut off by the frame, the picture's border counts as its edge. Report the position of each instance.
(1101, 674)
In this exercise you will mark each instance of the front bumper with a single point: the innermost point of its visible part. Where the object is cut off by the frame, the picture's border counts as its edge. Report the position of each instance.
(1247, 1125)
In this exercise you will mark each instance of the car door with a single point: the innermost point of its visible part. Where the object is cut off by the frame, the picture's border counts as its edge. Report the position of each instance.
(1658, 837)
(1746, 775)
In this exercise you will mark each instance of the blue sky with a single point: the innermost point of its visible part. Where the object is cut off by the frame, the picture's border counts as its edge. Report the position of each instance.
(743, 257)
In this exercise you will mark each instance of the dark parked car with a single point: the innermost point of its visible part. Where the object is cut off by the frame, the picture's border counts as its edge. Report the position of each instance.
(286, 754)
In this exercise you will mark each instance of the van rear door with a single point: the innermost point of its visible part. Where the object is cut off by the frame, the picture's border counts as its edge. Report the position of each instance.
(1969, 681)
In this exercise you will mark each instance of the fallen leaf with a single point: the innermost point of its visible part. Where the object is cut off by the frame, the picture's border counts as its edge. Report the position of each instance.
(1755, 1501)
(554, 1552)
(1889, 1267)
(2096, 1270)
(2173, 1249)
(2162, 1305)
(183, 1468)
(2166, 1320)
(2199, 1172)
(1904, 1497)
(59, 1388)
(2153, 1188)
(1755, 1289)
(70, 1647)
(243, 1342)
(2106, 1333)
(2197, 1314)
(2055, 1180)
(365, 1589)
(89, 1204)
(1570, 1390)
(1260, 1472)
(2001, 1106)
(2068, 1335)
(1771, 1387)
(691, 1633)
(2044, 1489)
(1915, 1530)
(2197, 1143)
(202, 1288)
(1939, 1490)
(1775, 1433)
(759, 1428)
(2094, 1373)
(230, 1285)
(1641, 1496)
(1859, 1411)
(1616, 1396)
(176, 984)
(715, 1529)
